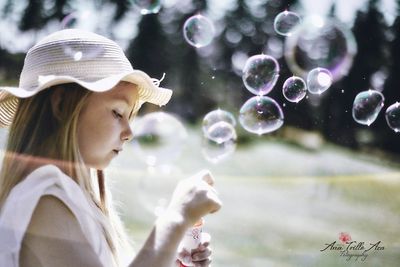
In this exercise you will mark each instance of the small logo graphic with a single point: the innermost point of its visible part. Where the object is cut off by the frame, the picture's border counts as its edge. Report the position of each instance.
(344, 238)
(351, 249)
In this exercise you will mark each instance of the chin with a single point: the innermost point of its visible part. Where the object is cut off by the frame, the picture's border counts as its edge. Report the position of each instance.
(99, 165)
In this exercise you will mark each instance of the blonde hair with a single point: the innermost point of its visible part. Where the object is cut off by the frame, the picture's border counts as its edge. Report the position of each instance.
(37, 137)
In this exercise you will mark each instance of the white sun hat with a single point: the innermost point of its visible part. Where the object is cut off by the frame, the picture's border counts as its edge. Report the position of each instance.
(76, 56)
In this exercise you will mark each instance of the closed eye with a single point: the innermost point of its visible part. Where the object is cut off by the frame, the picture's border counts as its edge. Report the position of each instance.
(117, 115)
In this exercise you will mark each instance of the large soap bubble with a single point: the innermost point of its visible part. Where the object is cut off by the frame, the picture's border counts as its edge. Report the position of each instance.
(260, 115)
(159, 137)
(198, 31)
(366, 106)
(260, 74)
(320, 42)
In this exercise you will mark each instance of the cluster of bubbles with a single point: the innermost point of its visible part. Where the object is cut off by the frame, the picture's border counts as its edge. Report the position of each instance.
(320, 42)
(261, 114)
(219, 135)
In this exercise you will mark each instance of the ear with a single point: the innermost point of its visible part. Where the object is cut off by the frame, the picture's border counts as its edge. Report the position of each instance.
(55, 100)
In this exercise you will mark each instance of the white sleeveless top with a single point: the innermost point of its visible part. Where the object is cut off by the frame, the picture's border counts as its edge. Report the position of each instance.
(22, 200)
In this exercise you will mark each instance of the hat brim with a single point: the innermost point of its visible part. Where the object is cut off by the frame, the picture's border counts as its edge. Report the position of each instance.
(148, 90)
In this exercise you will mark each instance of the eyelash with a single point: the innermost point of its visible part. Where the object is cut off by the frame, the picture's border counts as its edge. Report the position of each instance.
(117, 115)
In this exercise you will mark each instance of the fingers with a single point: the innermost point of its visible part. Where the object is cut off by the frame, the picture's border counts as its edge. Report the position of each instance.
(216, 202)
(201, 256)
(205, 239)
(203, 263)
(205, 176)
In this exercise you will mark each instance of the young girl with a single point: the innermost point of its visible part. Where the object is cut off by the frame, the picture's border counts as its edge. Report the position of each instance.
(67, 120)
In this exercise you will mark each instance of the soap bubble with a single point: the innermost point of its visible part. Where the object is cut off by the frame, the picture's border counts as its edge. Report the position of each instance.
(366, 106)
(392, 115)
(80, 19)
(216, 152)
(260, 115)
(84, 20)
(147, 6)
(218, 124)
(155, 187)
(198, 31)
(158, 137)
(320, 42)
(260, 74)
(319, 80)
(285, 22)
(294, 89)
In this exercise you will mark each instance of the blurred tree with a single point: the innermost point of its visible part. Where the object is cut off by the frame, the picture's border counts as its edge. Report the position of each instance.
(339, 126)
(33, 17)
(192, 99)
(10, 65)
(122, 6)
(389, 140)
(147, 50)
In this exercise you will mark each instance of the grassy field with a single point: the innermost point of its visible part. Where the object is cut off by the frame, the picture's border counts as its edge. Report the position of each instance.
(282, 203)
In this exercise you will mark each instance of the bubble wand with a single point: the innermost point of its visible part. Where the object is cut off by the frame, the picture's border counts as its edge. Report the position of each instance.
(191, 240)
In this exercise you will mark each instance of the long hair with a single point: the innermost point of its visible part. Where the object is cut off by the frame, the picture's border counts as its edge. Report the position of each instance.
(37, 136)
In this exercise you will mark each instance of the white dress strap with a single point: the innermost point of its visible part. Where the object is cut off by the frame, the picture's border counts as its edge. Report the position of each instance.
(20, 204)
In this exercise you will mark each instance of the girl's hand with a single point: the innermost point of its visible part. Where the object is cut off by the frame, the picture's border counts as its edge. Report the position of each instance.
(201, 256)
(194, 198)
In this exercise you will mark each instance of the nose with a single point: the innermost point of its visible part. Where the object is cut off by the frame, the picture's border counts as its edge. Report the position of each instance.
(127, 134)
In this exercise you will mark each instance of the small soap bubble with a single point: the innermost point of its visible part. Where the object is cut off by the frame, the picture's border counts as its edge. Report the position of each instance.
(159, 137)
(319, 80)
(392, 115)
(147, 6)
(294, 89)
(285, 22)
(260, 115)
(84, 20)
(260, 74)
(80, 19)
(366, 106)
(198, 31)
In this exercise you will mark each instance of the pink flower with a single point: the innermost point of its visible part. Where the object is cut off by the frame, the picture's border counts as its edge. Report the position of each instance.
(344, 238)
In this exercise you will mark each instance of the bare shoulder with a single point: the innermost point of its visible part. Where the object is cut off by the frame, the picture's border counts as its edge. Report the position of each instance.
(54, 238)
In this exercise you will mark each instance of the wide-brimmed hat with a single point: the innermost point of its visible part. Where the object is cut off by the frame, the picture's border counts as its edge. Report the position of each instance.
(76, 56)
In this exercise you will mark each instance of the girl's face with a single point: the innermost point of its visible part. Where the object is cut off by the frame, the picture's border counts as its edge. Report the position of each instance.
(103, 125)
